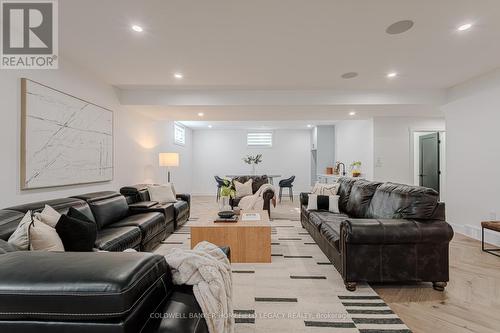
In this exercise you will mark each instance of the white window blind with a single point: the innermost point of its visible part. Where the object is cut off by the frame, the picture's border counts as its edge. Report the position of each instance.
(259, 139)
(179, 134)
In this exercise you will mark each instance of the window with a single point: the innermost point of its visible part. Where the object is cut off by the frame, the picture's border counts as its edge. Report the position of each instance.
(259, 139)
(179, 134)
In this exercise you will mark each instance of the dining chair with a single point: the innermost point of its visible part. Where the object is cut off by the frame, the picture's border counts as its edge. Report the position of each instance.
(220, 183)
(287, 183)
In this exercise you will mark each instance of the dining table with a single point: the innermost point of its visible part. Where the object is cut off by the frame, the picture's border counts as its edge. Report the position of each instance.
(270, 177)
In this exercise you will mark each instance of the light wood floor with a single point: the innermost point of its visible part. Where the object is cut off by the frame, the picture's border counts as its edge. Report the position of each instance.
(470, 303)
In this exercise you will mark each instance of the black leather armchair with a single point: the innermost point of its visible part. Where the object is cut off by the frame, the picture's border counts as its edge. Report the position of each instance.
(384, 233)
(258, 181)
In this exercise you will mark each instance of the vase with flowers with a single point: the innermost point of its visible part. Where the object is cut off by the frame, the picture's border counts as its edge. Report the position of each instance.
(356, 168)
(253, 161)
(227, 191)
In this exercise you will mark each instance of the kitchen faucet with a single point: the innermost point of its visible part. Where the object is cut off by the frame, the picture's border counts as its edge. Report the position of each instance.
(343, 167)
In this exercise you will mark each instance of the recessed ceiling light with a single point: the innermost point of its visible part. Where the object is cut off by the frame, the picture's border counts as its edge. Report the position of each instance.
(352, 113)
(200, 114)
(209, 126)
(349, 75)
(392, 75)
(137, 28)
(178, 75)
(399, 27)
(464, 27)
(309, 125)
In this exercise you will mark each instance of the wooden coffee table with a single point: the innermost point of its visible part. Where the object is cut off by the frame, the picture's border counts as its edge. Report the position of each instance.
(249, 241)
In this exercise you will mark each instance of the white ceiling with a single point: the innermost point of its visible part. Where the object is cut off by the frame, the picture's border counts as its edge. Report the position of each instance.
(281, 44)
(253, 125)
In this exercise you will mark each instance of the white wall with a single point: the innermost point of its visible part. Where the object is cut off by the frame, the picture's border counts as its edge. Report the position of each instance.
(136, 138)
(473, 155)
(393, 145)
(220, 152)
(354, 142)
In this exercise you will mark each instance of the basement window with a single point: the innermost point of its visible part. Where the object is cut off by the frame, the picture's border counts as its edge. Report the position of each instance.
(259, 139)
(179, 134)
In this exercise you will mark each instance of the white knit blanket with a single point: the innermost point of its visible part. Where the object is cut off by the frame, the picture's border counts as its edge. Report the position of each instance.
(255, 201)
(208, 270)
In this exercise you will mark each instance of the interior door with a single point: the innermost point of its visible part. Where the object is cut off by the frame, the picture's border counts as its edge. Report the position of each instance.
(429, 161)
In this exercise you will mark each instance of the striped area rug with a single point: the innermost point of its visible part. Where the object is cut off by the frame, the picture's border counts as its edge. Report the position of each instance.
(300, 291)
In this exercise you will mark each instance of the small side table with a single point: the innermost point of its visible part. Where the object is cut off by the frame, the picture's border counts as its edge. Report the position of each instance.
(490, 225)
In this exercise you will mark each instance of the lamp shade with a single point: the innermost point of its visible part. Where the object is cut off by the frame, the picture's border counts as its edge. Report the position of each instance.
(169, 159)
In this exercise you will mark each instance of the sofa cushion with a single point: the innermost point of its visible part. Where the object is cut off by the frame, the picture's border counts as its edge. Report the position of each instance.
(109, 210)
(345, 187)
(77, 286)
(361, 195)
(150, 223)
(118, 239)
(397, 201)
(319, 217)
(396, 231)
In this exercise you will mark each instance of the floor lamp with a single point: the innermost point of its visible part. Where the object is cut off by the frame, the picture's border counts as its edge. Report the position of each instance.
(169, 160)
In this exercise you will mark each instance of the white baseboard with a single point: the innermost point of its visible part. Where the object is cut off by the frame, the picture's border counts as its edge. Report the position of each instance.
(473, 231)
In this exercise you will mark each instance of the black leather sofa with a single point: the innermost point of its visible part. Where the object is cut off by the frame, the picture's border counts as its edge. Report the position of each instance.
(119, 227)
(385, 232)
(81, 292)
(138, 193)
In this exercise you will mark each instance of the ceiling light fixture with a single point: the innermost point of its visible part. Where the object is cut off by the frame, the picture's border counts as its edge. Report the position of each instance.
(392, 75)
(352, 113)
(200, 114)
(137, 28)
(209, 126)
(309, 125)
(399, 27)
(178, 76)
(349, 75)
(464, 27)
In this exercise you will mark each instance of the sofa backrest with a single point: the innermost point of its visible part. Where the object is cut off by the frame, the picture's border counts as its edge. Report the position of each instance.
(10, 217)
(345, 187)
(257, 181)
(107, 207)
(135, 193)
(398, 201)
(360, 198)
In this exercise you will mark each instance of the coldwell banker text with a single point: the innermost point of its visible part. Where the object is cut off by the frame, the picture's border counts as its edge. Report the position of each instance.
(29, 35)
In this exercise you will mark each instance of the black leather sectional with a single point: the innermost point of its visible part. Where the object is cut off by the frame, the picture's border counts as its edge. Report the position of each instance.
(82, 292)
(102, 292)
(385, 232)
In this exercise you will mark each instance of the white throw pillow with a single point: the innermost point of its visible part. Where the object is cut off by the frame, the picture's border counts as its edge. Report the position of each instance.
(326, 189)
(49, 216)
(162, 193)
(43, 237)
(243, 189)
(312, 203)
(20, 237)
(332, 202)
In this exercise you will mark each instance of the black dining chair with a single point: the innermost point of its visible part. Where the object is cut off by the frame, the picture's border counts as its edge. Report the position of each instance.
(287, 183)
(220, 183)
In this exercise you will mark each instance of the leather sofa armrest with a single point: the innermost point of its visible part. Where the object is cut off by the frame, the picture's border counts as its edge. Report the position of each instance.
(304, 198)
(165, 209)
(184, 197)
(395, 231)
